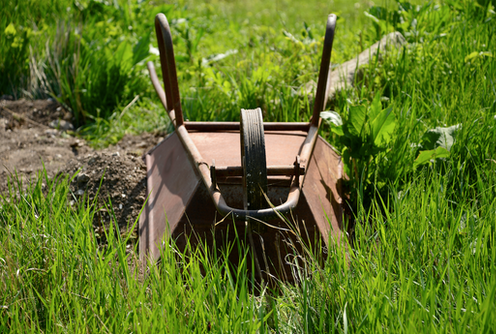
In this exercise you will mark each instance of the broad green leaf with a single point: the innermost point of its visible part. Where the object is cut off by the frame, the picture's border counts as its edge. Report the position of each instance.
(356, 120)
(373, 17)
(10, 30)
(405, 6)
(337, 130)
(335, 120)
(123, 56)
(426, 156)
(383, 127)
(379, 12)
(375, 107)
(345, 153)
(141, 50)
(440, 137)
(332, 117)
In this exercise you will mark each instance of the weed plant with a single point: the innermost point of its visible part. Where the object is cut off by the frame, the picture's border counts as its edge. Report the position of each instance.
(421, 254)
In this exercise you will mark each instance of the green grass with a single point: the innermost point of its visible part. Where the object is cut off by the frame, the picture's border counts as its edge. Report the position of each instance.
(91, 55)
(421, 255)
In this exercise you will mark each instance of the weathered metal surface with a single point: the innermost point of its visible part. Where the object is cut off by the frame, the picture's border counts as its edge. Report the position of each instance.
(323, 192)
(318, 215)
(171, 183)
(223, 147)
(194, 177)
(275, 248)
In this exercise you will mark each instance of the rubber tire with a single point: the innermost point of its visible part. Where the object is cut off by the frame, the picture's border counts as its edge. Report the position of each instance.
(253, 159)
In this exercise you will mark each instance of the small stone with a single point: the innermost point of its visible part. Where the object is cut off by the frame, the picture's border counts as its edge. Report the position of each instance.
(80, 192)
(77, 143)
(61, 125)
(82, 178)
(116, 154)
(67, 116)
(51, 133)
(28, 170)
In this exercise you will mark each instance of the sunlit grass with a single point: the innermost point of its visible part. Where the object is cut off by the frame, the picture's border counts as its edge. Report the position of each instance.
(421, 254)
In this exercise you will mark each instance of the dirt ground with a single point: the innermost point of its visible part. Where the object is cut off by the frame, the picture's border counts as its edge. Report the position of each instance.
(37, 133)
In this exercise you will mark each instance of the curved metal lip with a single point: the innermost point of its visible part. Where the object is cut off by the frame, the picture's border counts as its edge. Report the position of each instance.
(269, 213)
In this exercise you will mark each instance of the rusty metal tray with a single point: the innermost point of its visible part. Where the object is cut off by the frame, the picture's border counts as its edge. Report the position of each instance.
(197, 177)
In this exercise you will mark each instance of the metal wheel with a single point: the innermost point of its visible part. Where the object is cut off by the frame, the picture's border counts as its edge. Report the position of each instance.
(253, 159)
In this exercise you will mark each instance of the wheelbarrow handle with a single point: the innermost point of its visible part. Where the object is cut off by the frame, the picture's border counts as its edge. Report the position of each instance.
(323, 82)
(170, 98)
(160, 91)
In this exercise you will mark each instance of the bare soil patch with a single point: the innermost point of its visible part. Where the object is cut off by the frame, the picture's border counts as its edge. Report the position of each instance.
(29, 141)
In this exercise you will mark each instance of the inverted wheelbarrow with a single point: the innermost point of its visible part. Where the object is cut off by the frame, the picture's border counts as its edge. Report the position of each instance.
(212, 182)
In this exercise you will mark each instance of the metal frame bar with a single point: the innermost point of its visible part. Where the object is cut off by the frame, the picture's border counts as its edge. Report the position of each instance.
(271, 171)
(234, 126)
(321, 95)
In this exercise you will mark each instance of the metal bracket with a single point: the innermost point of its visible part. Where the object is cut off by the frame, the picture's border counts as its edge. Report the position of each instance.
(213, 176)
(297, 170)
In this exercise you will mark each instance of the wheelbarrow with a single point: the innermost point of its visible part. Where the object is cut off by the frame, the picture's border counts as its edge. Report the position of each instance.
(208, 178)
